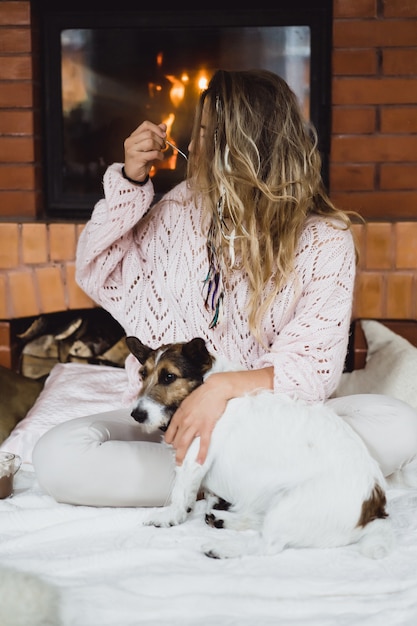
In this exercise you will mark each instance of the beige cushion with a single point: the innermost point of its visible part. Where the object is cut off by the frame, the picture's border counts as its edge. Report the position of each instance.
(390, 369)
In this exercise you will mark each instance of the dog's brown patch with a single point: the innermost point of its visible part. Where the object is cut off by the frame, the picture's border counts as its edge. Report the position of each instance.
(171, 372)
(165, 383)
(374, 507)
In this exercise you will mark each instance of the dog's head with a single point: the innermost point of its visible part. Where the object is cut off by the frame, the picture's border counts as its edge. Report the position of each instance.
(168, 375)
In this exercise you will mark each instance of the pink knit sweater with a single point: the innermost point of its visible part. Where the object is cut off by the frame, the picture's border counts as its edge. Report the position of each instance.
(146, 266)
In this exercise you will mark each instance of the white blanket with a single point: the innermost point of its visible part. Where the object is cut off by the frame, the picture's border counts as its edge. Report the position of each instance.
(111, 571)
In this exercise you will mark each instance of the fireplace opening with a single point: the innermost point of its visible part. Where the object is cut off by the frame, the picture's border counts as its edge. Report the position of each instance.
(107, 71)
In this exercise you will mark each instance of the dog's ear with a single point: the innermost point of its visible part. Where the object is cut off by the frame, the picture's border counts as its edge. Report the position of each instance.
(138, 349)
(196, 352)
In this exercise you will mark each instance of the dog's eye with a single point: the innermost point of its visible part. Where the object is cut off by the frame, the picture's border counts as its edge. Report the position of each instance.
(166, 377)
(143, 372)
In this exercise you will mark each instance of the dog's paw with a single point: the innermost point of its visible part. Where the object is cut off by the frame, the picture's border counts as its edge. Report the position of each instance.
(220, 504)
(213, 521)
(164, 517)
(224, 550)
(234, 545)
(216, 508)
(223, 518)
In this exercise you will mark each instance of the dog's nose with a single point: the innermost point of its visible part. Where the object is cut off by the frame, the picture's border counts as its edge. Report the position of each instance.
(140, 415)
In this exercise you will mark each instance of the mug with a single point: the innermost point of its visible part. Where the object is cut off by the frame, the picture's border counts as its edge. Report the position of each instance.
(9, 464)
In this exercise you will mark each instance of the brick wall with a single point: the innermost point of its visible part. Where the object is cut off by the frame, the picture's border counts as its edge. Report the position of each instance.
(373, 164)
(374, 107)
(374, 147)
(19, 168)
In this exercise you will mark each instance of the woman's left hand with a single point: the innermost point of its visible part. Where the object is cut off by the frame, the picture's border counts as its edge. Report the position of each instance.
(197, 416)
(199, 412)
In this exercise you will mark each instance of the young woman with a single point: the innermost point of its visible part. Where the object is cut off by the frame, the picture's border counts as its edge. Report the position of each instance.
(248, 253)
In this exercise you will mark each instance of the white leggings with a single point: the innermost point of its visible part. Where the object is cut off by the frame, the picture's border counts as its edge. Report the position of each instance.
(107, 460)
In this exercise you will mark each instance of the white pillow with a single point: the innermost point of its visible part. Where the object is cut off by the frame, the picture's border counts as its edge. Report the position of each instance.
(71, 390)
(390, 369)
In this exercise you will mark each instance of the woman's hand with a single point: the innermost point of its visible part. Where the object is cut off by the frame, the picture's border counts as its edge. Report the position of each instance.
(198, 414)
(144, 146)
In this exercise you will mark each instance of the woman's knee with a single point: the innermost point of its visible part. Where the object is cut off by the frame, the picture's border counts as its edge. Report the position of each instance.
(388, 427)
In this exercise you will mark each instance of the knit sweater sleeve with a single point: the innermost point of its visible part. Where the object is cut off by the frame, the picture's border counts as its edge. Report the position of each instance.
(309, 347)
(108, 237)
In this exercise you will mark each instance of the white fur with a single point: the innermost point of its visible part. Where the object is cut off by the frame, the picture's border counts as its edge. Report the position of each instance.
(296, 473)
(27, 600)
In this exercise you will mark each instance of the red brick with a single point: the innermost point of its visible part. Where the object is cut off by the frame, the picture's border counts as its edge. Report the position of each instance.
(9, 246)
(369, 295)
(399, 296)
(5, 357)
(16, 150)
(399, 62)
(14, 13)
(356, 149)
(359, 91)
(62, 242)
(400, 8)
(16, 95)
(358, 8)
(405, 245)
(17, 177)
(4, 302)
(5, 333)
(5, 338)
(23, 294)
(377, 205)
(358, 230)
(51, 289)
(15, 68)
(379, 253)
(16, 122)
(374, 33)
(15, 40)
(354, 62)
(18, 203)
(399, 119)
(398, 176)
(349, 120)
(79, 230)
(352, 177)
(34, 244)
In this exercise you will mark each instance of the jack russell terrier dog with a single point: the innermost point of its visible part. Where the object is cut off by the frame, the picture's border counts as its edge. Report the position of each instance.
(295, 473)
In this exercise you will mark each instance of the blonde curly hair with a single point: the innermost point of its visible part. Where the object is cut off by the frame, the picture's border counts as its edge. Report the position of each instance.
(256, 165)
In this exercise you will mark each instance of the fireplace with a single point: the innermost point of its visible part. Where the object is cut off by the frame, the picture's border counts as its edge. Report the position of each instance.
(107, 70)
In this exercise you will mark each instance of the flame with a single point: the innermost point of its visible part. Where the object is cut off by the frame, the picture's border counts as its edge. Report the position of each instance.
(170, 162)
(169, 122)
(202, 81)
(177, 91)
(177, 94)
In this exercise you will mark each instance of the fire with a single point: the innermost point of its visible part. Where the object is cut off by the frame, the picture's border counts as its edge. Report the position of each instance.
(177, 91)
(181, 88)
(202, 82)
